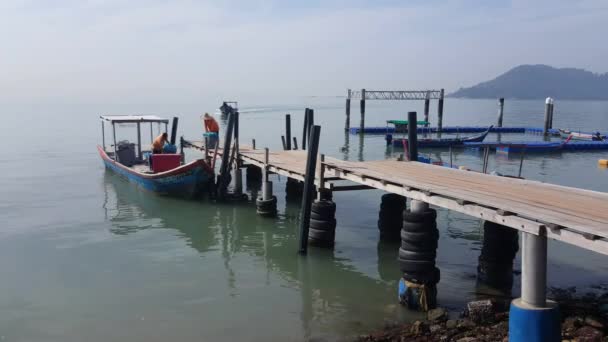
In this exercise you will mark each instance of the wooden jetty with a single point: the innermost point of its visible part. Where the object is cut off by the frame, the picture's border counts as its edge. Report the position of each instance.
(571, 215)
(538, 210)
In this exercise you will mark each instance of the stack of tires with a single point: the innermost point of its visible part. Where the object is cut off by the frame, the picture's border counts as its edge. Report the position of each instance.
(500, 245)
(322, 228)
(419, 237)
(294, 189)
(267, 208)
(253, 174)
(390, 216)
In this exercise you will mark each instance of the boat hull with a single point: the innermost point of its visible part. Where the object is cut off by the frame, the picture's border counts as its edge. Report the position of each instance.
(185, 181)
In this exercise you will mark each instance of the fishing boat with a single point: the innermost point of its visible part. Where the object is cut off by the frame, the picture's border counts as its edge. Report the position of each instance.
(564, 133)
(443, 142)
(163, 173)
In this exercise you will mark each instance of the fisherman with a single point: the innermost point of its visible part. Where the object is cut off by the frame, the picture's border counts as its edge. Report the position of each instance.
(212, 130)
(159, 143)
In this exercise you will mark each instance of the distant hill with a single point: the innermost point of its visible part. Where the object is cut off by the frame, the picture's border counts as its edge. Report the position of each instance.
(540, 81)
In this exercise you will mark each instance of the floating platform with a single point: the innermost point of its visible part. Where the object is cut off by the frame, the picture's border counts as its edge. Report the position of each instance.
(539, 146)
(457, 129)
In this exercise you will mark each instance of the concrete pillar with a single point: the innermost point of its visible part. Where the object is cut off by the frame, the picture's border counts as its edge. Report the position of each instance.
(532, 317)
(501, 106)
(548, 103)
(534, 270)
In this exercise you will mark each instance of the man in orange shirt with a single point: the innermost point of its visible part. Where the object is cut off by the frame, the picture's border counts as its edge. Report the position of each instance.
(212, 129)
(159, 143)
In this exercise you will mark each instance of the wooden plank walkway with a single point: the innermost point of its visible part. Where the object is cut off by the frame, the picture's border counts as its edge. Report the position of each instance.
(572, 215)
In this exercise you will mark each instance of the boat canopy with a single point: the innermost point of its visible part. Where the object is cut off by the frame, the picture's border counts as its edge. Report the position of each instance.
(133, 118)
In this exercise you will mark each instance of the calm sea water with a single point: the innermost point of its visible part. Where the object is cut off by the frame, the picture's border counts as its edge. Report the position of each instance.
(86, 256)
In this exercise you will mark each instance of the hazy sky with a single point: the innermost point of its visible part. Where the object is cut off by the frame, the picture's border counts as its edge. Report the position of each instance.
(178, 50)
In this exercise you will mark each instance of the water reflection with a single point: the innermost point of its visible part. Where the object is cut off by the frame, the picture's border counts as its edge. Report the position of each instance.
(332, 292)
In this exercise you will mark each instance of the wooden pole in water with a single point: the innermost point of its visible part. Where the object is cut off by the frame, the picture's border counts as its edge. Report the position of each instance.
(309, 184)
(347, 124)
(115, 147)
(174, 130)
(362, 122)
(295, 143)
(501, 107)
(427, 104)
(224, 175)
(305, 128)
(288, 131)
(253, 144)
(139, 141)
(322, 177)
(521, 161)
(283, 142)
(103, 135)
(440, 112)
(311, 122)
(412, 136)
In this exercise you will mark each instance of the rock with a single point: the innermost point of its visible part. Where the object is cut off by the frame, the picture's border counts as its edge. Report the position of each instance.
(435, 328)
(481, 311)
(438, 314)
(594, 322)
(467, 339)
(465, 323)
(572, 323)
(418, 328)
(451, 324)
(588, 334)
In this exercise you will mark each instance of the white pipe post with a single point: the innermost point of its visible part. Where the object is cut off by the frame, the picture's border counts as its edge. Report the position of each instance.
(418, 206)
(534, 270)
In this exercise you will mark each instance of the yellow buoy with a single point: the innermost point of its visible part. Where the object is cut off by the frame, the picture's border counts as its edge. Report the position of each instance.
(602, 162)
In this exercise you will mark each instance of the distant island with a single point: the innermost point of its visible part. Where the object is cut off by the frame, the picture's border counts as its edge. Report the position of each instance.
(541, 81)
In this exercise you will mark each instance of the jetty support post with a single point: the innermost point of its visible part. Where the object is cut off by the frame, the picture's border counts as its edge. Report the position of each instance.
(532, 317)
(347, 123)
(174, 130)
(266, 185)
(362, 122)
(412, 136)
(548, 105)
(309, 185)
(295, 143)
(311, 123)
(103, 135)
(305, 128)
(267, 204)
(427, 104)
(501, 107)
(224, 177)
(238, 176)
(288, 131)
(322, 190)
(440, 111)
(115, 147)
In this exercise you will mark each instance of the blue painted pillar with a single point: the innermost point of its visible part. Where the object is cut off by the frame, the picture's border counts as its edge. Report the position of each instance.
(532, 317)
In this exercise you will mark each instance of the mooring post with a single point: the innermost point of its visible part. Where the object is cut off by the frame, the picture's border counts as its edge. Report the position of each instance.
(309, 185)
(311, 122)
(103, 135)
(427, 105)
(501, 107)
(139, 141)
(321, 178)
(305, 128)
(347, 124)
(224, 173)
(253, 144)
(551, 113)
(283, 142)
(295, 143)
(238, 178)
(412, 136)
(547, 115)
(532, 317)
(440, 112)
(362, 122)
(267, 185)
(521, 161)
(288, 131)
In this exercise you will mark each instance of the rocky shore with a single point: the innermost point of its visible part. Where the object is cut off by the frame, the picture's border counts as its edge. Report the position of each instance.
(584, 318)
